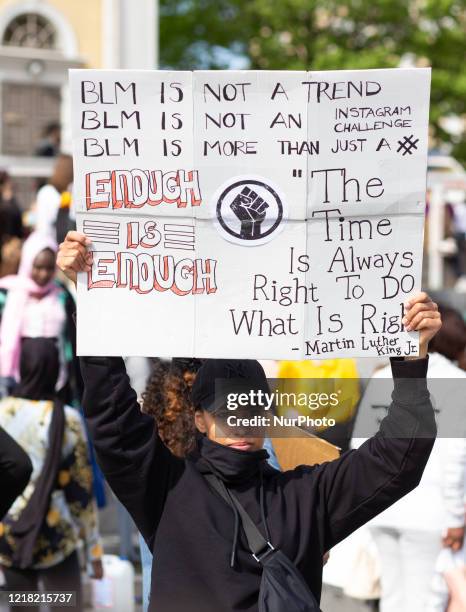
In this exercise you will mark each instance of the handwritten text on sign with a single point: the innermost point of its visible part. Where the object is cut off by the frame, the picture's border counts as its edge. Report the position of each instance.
(249, 214)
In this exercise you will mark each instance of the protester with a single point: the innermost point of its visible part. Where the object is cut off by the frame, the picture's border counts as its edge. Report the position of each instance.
(49, 146)
(15, 471)
(201, 558)
(11, 226)
(34, 304)
(49, 197)
(40, 535)
(459, 233)
(410, 534)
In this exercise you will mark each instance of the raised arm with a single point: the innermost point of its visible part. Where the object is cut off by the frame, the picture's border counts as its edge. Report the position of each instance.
(138, 466)
(364, 482)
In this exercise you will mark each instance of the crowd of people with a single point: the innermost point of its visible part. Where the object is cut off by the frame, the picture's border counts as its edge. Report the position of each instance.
(48, 464)
(167, 464)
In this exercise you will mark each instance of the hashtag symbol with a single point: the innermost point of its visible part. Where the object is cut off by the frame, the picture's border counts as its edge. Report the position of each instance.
(407, 144)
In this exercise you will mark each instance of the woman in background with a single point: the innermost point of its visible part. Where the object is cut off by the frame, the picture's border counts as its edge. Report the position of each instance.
(11, 226)
(49, 197)
(41, 533)
(33, 304)
(411, 533)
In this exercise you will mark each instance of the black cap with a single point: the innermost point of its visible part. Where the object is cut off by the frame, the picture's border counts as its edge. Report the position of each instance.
(217, 378)
(186, 364)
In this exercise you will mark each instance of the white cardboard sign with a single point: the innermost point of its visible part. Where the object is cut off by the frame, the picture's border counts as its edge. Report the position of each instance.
(249, 214)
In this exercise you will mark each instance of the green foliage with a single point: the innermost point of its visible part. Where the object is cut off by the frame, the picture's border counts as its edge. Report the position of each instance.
(324, 34)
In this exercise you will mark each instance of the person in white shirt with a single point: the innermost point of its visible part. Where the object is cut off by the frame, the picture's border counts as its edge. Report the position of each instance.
(49, 196)
(411, 533)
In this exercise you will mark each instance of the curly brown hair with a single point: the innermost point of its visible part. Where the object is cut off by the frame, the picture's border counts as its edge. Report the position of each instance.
(168, 399)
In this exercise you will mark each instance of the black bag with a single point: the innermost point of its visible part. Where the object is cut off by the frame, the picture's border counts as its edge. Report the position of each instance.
(26, 528)
(282, 586)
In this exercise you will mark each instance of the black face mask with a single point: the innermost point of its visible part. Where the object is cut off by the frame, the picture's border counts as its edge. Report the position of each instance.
(38, 368)
(231, 465)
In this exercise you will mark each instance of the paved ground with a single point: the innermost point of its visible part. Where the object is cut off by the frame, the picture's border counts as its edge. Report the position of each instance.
(334, 601)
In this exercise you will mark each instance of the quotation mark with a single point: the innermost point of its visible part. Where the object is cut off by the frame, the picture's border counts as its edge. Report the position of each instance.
(297, 173)
(407, 144)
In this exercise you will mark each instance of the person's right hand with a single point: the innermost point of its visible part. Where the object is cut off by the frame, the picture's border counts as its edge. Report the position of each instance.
(73, 256)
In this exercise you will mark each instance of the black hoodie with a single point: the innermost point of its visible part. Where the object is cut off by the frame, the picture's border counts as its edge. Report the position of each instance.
(191, 529)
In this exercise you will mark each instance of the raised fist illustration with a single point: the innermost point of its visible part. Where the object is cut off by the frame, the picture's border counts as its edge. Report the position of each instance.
(250, 210)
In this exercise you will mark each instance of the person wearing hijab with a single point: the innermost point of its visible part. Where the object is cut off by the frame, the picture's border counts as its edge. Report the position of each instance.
(41, 532)
(34, 304)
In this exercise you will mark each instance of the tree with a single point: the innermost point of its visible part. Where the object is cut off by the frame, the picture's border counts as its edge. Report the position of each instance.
(323, 35)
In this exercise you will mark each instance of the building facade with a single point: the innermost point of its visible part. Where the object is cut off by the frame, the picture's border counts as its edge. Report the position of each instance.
(40, 40)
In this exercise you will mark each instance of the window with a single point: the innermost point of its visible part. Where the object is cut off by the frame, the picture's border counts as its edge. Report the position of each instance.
(26, 109)
(30, 30)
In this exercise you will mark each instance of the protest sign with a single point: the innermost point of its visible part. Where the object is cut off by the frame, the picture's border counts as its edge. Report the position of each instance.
(249, 213)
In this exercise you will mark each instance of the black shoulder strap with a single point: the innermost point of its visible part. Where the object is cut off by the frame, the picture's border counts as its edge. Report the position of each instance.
(258, 545)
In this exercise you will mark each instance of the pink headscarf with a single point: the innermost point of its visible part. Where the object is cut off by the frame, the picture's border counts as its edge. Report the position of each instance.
(20, 287)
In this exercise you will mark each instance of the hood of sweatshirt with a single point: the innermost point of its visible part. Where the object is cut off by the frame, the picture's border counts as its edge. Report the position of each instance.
(233, 467)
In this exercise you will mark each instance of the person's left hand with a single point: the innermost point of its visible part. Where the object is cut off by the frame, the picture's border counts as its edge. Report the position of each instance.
(97, 569)
(454, 538)
(422, 315)
(73, 255)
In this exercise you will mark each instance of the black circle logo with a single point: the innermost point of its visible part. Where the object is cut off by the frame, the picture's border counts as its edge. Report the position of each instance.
(249, 210)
